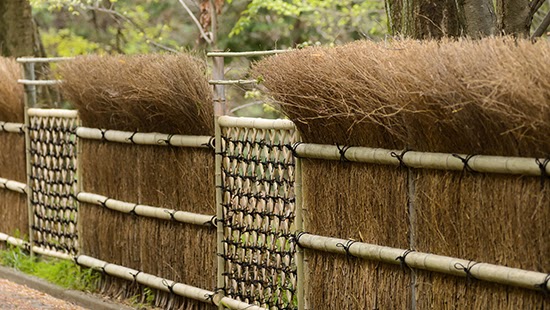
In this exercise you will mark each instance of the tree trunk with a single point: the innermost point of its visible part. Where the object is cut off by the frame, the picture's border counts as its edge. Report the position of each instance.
(17, 31)
(477, 17)
(514, 17)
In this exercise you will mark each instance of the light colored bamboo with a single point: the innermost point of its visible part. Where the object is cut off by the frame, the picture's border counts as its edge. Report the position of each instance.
(142, 138)
(232, 82)
(301, 290)
(146, 211)
(162, 284)
(440, 161)
(38, 250)
(220, 278)
(39, 82)
(425, 261)
(12, 127)
(257, 123)
(30, 101)
(13, 185)
(63, 113)
(40, 59)
(246, 54)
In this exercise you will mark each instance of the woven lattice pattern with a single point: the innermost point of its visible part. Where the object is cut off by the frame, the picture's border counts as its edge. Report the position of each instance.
(53, 155)
(258, 172)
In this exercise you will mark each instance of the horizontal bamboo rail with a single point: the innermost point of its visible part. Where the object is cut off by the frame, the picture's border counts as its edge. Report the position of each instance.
(149, 138)
(12, 127)
(256, 123)
(13, 185)
(39, 82)
(440, 161)
(162, 284)
(431, 262)
(40, 59)
(232, 82)
(139, 277)
(63, 113)
(147, 211)
(246, 54)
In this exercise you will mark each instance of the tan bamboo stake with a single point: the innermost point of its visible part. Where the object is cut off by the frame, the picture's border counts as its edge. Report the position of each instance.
(42, 59)
(146, 211)
(219, 211)
(79, 186)
(30, 101)
(425, 261)
(300, 255)
(141, 138)
(257, 123)
(246, 54)
(39, 82)
(63, 113)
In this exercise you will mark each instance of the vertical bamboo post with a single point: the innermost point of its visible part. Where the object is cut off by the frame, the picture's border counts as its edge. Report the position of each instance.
(30, 101)
(412, 226)
(219, 210)
(300, 253)
(219, 90)
(79, 186)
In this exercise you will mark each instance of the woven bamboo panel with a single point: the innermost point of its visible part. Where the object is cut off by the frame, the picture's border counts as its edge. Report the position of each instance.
(258, 172)
(53, 156)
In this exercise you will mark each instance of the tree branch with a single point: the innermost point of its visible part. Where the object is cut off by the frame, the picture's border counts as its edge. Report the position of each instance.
(205, 36)
(542, 27)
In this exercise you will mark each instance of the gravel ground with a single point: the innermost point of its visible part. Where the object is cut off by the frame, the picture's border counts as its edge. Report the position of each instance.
(15, 296)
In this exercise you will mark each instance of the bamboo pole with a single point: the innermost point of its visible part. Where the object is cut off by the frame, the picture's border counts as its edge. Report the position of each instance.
(246, 54)
(30, 101)
(219, 210)
(146, 211)
(39, 82)
(162, 284)
(63, 113)
(232, 82)
(12, 127)
(431, 262)
(440, 161)
(257, 123)
(300, 260)
(141, 138)
(41, 59)
(13, 185)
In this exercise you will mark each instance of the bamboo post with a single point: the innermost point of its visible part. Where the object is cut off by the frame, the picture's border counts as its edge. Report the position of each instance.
(219, 209)
(300, 253)
(30, 101)
(79, 187)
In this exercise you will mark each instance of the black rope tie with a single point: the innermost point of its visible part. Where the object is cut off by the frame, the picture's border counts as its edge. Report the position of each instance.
(543, 174)
(402, 258)
(399, 157)
(103, 132)
(298, 236)
(346, 247)
(467, 269)
(293, 148)
(213, 221)
(169, 287)
(465, 161)
(131, 138)
(211, 144)
(342, 150)
(171, 213)
(102, 268)
(544, 285)
(2, 125)
(21, 129)
(135, 275)
(133, 211)
(167, 141)
(104, 202)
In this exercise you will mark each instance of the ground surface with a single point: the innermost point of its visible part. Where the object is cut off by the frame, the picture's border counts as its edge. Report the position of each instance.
(15, 296)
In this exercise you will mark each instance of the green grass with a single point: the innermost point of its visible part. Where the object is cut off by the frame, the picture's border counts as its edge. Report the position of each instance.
(63, 273)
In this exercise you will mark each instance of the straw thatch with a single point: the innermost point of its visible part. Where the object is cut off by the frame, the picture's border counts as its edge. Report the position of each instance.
(173, 178)
(13, 206)
(473, 97)
(11, 92)
(483, 97)
(147, 93)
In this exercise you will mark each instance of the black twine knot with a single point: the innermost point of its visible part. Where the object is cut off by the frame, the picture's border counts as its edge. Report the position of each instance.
(133, 211)
(170, 287)
(467, 269)
(544, 285)
(213, 221)
(298, 236)
(402, 258)
(211, 144)
(543, 174)
(135, 275)
(171, 213)
(131, 138)
(167, 141)
(103, 132)
(104, 202)
(399, 157)
(293, 148)
(342, 150)
(75, 259)
(346, 246)
(465, 161)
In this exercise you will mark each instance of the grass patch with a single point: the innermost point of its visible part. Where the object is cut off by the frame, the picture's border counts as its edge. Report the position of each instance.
(63, 273)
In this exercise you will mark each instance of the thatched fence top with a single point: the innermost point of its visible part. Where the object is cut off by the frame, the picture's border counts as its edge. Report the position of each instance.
(484, 97)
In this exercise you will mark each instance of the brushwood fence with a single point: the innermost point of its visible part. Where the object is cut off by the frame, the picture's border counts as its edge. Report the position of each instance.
(256, 218)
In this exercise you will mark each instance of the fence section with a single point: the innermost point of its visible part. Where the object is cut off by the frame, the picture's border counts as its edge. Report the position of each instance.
(259, 209)
(53, 179)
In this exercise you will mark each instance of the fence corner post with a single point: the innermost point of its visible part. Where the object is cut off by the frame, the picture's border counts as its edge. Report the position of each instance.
(29, 101)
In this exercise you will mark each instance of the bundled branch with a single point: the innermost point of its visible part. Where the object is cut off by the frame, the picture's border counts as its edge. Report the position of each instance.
(148, 93)
(489, 96)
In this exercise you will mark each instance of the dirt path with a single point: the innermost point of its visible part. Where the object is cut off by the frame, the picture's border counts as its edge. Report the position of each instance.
(15, 296)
